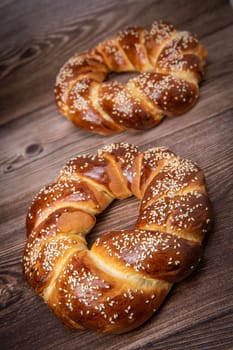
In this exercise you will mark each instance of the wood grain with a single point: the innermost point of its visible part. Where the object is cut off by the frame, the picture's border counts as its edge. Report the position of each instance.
(35, 141)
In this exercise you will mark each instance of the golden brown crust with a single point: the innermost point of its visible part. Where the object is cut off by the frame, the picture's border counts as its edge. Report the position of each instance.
(120, 282)
(102, 302)
(152, 254)
(171, 62)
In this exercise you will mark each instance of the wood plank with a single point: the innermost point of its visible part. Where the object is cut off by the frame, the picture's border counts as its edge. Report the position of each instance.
(35, 127)
(35, 141)
(165, 322)
(205, 136)
(37, 60)
(213, 334)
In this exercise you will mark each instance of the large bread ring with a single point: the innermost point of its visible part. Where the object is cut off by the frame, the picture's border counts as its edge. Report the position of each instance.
(122, 280)
(171, 63)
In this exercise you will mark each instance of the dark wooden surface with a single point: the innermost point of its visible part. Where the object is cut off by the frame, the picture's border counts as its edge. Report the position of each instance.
(36, 38)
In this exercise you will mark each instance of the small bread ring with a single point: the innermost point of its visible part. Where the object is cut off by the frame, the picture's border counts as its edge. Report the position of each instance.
(171, 64)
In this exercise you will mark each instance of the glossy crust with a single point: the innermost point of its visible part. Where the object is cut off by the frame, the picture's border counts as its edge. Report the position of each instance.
(170, 63)
(122, 280)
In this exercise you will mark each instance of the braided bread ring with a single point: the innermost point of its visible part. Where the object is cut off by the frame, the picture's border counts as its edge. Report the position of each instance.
(171, 63)
(119, 283)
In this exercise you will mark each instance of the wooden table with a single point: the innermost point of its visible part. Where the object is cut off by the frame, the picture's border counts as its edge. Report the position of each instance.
(36, 38)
